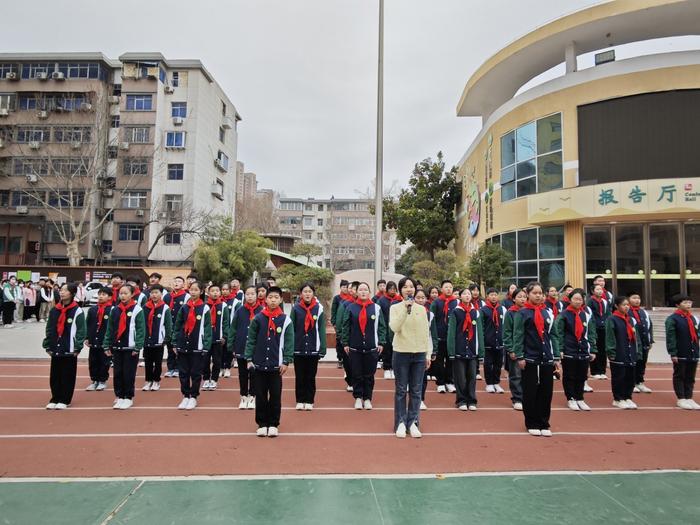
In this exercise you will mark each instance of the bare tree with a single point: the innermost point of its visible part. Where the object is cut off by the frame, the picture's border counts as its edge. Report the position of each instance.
(256, 214)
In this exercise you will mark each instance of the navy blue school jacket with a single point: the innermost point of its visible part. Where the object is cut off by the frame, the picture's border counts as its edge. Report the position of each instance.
(621, 350)
(95, 335)
(313, 342)
(564, 335)
(71, 342)
(199, 340)
(493, 335)
(527, 343)
(375, 329)
(595, 310)
(645, 328)
(161, 327)
(238, 330)
(441, 320)
(269, 350)
(679, 342)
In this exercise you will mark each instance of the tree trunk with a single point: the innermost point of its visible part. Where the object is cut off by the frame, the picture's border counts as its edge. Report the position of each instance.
(73, 252)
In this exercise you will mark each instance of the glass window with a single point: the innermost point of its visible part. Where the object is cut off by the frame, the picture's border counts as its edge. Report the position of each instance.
(319, 222)
(176, 79)
(3, 241)
(172, 237)
(551, 242)
(508, 149)
(526, 169)
(527, 244)
(552, 273)
(549, 134)
(130, 232)
(139, 102)
(598, 255)
(134, 199)
(179, 109)
(507, 175)
(137, 135)
(223, 159)
(135, 166)
(15, 245)
(526, 142)
(7, 101)
(508, 243)
(663, 248)
(508, 192)
(549, 172)
(222, 134)
(692, 249)
(526, 187)
(107, 246)
(117, 90)
(173, 202)
(629, 242)
(175, 139)
(114, 121)
(320, 207)
(528, 269)
(176, 171)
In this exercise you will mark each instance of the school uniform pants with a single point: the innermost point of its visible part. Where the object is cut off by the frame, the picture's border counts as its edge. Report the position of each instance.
(8, 312)
(684, 378)
(246, 378)
(172, 359)
(538, 382)
(409, 371)
(622, 380)
(305, 369)
(44, 309)
(386, 356)
(190, 366)
(345, 361)
(29, 311)
(153, 362)
(19, 311)
(62, 379)
(226, 358)
(641, 367)
(125, 366)
(442, 365)
(212, 362)
(268, 398)
(98, 364)
(599, 366)
(514, 379)
(464, 372)
(493, 362)
(363, 366)
(575, 372)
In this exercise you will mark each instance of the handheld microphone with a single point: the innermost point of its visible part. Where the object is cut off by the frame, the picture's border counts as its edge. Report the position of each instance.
(410, 303)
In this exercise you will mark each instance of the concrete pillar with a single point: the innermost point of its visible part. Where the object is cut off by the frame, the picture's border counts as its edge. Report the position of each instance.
(570, 58)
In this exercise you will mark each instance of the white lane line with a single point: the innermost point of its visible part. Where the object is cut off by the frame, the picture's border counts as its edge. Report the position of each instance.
(319, 408)
(338, 434)
(291, 376)
(318, 390)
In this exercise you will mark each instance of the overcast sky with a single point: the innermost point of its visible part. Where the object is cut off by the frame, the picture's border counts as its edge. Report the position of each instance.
(303, 73)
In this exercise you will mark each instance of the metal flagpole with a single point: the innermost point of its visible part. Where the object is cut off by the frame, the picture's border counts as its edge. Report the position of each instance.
(378, 262)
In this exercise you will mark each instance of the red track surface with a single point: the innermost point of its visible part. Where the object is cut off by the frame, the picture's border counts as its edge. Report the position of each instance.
(153, 438)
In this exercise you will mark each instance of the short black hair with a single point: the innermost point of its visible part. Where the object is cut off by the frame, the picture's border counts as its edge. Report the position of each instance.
(381, 281)
(156, 287)
(250, 287)
(598, 277)
(118, 275)
(473, 286)
(491, 290)
(274, 289)
(355, 284)
(72, 288)
(133, 279)
(193, 276)
(391, 285)
(444, 282)
(344, 282)
(261, 285)
(679, 298)
(619, 299)
(214, 285)
(403, 281)
(578, 291)
(156, 275)
(309, 284)
(105, 290)
(179, 277)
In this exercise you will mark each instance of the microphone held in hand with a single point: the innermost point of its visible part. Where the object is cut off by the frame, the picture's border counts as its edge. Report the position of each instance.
(409, 303)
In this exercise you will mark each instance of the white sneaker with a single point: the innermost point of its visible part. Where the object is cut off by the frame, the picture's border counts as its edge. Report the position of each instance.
(169, 373)
(147, 386)
(358, 404)
(573, 405)
(348, 388)
(472, 408)
(9, 326)
(636, 390)
(463, 408)
(423, 406)
(631, 404)
(212, 385)
(244, 403)
(587, 387)
(272, 432)
(379, 365)
(415, 432)
(155, 386)
(227, 372)
(261, 432)
(51, 406)
(451, 388)
(116, 402)
(441, 389)
(583, 406)
(91, 387)
(534, 431)
(401, 431)
(517, 405)
(205, 384)
(602, 376)
(644, 389)
(141, 364)
(546, 432)
(478, 377)
(191, 404)
(499, 389)
(101, 386)
(183, 404)
(620, 404)
(490, 389)
(392, 374)
(683, 403)
(693, 404)
(126, 403)
(61, 406)
(367, 405)
(387, 374)
(251, 402)
(235, 365)
(176, 373)
(300, 406)
(308, 406)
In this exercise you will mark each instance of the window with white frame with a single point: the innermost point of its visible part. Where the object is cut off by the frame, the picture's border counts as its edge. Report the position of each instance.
(291, 206)
(66, 199)
(26, 134)
(175, 79)
(70, 166)
(176, 171)
(134, 199)
(175, 139)
(114, 121)
(179, 109)
(137, 135)
(7, 68)
(31, 198)
(8, 101)
(135, 166)
(31, 166)
(35, 70)
(72, 134)
(139, 102)
(223, 159)
(130, 232)
(173, 203)
(172, 237)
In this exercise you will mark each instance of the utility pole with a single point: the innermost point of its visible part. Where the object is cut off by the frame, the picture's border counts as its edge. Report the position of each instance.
(379, 191)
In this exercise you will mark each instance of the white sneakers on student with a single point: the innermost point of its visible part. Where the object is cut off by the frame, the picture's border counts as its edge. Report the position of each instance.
(147, 386)
(348, 388)
(91, 387)
(684, 404)
(358, 403)
(587, 387)
(169, 373)
(573, 405)
(51, 406)
(205, 384)
(631, 404)
(261, 432)
(126, 403)
(546, 432)
(251, 402)
(441, 389)
(101, 386)
(583, 406)
(300, 406)
(644, 389)
(387, 374)
(478, 377)
(517, 405)
(213, 385)
(116, 402)
(490, 389)
(534, 431)
(155, 386)
(463, 408)
(693, 404)
(499, 389)
(183, 404)
(308, 406)
(423, 406)
(227, 372)
(61, 406)
(272, 432)
(401, 431)
(367, 404)
(244, 403)
(620, 404)
(415, 433)
(472, 408)
(451, 388)
(191, 403)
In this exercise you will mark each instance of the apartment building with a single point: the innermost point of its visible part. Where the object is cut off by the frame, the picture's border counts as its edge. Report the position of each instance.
(139, 151)
(246, 183)
(342, 228)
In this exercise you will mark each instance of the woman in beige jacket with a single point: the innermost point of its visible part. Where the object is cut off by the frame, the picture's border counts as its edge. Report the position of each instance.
(412, 350)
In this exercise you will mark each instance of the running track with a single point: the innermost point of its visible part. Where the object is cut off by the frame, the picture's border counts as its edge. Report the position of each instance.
(154, 439)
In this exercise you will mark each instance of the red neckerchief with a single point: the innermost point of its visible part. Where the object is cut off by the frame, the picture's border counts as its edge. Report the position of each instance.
(691, 325)
(234, 292)
(539, 319)
(115, 293)
(446, 305)
(476, 303)
(212, 305)
(514, 308)
(251, 309)
(271, 315)
(152, 306)
(191, 315)
(101, 313)
(137, 291)
(494, 313)
(175, 295)
(308, 319)
(605, 292)
(347, 297)
(565, 299)
(122, 318)
(628, 325)
(226, 296)
(599, 300)
(379, 295)
(635, 313)
(578, 324)
(61, 326)
(261, 302)
(555, 308)
(362, 318)
(467, 324)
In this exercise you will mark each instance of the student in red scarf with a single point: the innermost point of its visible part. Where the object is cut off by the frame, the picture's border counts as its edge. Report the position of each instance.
(124, 339)
(236, 290)
(347, 296)
(601, 309)
(564, 297)
(261, 290)
(645, 329)
(269, 350)
(381, 290)
(621, 345)
(552, 301)
(175, 300)
(514, 373)
(537, 358)
(65, 333)
(117, 283)
(337, 299)
(219, 324)
(193, 337)
(98, 362)
(682, 334)
(390, 297)
(236, 341)
(139, 296)
(442, 308)
(493, 314)
(575, 338)
(309, 322)
(159, 328)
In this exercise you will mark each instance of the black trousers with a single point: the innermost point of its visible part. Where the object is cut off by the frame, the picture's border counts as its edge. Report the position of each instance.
(212, 362)
(514, 379)
(246, 378)
(153, 361)
(364, 365)
(641, 367)
(537, 381)
(442, 366)
(98, 364)
(305, 368)
(125, 365)
(62, 378)
(268, 398)
(493, 362)
(190, 366)
(575, 372)
(622, 380)
(29, 311)
(8, 312)
(345, 360)
(684, 378)
(599, 366)
(387, 355)
(172, 359)
(226, 358)
(465, 371)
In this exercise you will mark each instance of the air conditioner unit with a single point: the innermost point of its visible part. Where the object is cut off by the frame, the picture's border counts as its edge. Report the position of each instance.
(32, 178)
(152, 72)
(4, 112)
(124, 145)
(178, 121)
(227, 123)
(162, 215)
(114, 99)
(220, 165)
(58, 75)
(22, 210)
(42, 76)
(43, 114)
(108, 192)
(216, 190)
(139, 213)
(34, 144)
(75, 144)
(100, 212)
(97, 242)
(85, 106)
(11, 75)
(169, 90)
